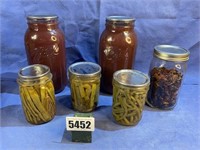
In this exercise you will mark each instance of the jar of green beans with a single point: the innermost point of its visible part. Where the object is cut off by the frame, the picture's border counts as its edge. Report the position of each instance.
(130, 89)
(84, 83)
(37, 93)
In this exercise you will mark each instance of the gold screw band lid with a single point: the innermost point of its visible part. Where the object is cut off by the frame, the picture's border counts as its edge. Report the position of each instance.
(171, 53)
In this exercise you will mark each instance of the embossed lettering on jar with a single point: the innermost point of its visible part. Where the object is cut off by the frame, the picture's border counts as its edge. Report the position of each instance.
(117, 48)
(45, 44)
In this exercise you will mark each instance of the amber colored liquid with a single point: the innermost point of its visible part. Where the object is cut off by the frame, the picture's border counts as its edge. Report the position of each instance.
(117, 49)
(45, 45)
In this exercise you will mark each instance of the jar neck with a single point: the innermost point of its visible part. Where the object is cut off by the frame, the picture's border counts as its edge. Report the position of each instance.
(39, 25)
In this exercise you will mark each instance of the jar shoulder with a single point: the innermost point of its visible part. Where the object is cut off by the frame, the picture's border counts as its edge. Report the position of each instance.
(53, 35)
(160, 63)
(46, 32)
(118, 36)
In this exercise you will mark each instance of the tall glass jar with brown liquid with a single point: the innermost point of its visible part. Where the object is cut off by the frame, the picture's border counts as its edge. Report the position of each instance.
(45, 44)
(117, 48)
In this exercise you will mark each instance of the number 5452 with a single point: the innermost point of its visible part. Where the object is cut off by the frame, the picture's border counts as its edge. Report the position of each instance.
(79, 124)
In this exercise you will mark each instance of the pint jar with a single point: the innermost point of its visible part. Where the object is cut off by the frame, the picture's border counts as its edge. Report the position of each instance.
(130, 89)
(117, 48)
(37, 93)
(85, 84)
(45, 44)
(166, 73)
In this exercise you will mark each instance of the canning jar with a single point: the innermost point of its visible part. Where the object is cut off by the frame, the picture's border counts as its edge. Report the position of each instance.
(45, 44)
(85, 84)
(130, 89)
(37, 93)
(117, 48)
(166, 72)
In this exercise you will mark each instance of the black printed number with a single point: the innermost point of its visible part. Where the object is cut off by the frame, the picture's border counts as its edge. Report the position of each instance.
(79, 124)
(88, 123)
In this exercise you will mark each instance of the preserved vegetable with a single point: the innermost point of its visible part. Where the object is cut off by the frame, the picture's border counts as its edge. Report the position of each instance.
(85, 85)
(130, 89)
(37, 94)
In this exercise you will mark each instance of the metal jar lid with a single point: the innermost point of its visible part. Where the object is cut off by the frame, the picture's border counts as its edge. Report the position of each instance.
(42, 17)
(131, 78)
(33, 72)
(171, 53)
(120, 19)
(85, 69)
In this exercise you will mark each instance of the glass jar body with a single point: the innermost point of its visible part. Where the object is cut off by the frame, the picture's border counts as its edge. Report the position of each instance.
(84, 92)
(45, 44)
(38, 99)
(165, 82)
(128, 104)
(84, 80)
(117, 49)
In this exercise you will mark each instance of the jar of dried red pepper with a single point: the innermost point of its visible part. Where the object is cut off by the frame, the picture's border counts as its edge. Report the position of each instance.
(117, 48)
(45, 44)
(166, 73)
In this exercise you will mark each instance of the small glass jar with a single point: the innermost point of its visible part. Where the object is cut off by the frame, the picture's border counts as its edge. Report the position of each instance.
(85, 84)
(130, 89)
(166, 72)
(117, 48)
(45, 44)
(37, 93)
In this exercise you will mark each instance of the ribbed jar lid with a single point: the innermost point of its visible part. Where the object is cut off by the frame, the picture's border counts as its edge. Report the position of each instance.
(171, 53)
(131, 78)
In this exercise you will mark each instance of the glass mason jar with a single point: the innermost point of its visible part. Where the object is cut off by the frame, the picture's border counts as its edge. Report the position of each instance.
(117, 48)
(166, 74)
(130, 89)
(45, 44)
(37, 93)
(85, 84)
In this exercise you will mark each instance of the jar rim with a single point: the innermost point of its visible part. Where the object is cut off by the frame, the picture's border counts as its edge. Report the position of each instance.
(84, 69)
(33, 72)
(131, 78)
(171, 53)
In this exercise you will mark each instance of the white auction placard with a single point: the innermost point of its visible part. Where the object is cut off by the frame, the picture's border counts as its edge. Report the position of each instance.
(80, 123)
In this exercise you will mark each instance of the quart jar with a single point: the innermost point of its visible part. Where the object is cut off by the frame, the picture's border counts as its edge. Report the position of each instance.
(166, 73)
(117, 48)
(130, 89)
(85, 84)
(45, 44)
(37, 93)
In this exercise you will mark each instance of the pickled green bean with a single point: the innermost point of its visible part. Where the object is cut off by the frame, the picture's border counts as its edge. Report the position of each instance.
(128, 105)
(85, 93)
